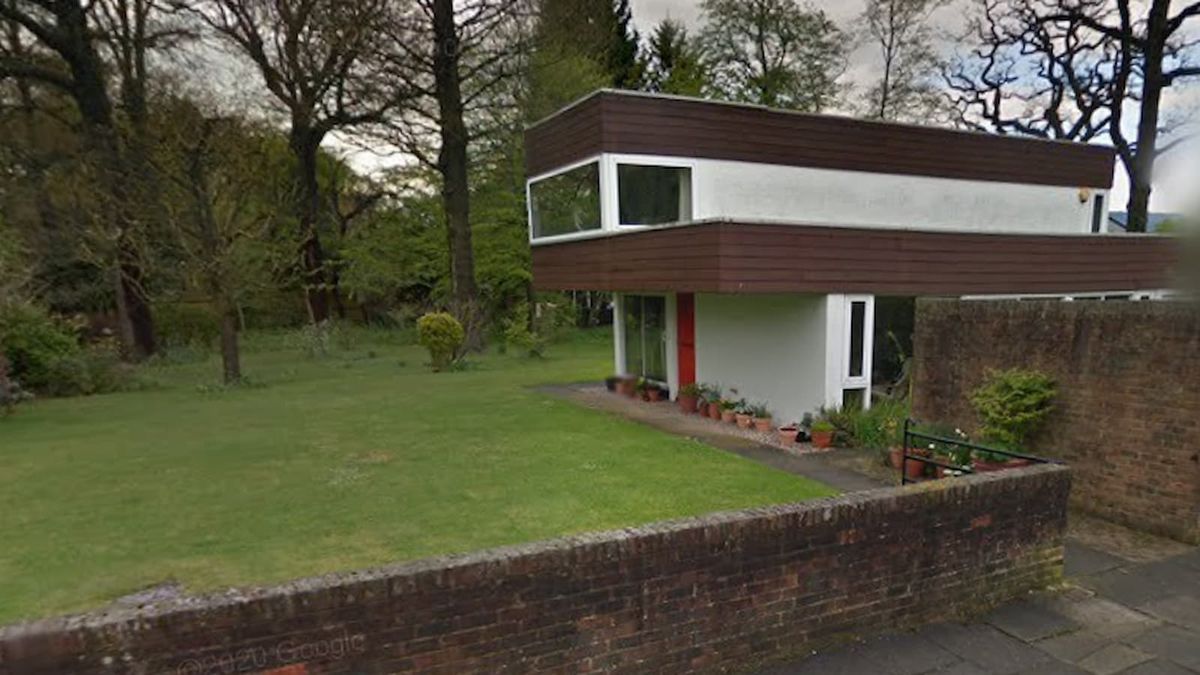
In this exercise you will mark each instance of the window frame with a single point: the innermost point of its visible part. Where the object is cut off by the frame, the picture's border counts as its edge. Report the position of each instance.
(666, 339)
(599, 161)
(653, 162)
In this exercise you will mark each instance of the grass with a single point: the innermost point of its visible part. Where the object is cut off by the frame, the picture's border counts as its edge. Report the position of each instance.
(352, 460)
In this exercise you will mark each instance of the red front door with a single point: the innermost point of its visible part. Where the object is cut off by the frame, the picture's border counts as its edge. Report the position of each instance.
(685, 313)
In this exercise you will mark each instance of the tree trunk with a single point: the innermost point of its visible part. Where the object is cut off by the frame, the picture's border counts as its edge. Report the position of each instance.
(304, 143)
(1141, 169)
(452, 164)
(231, 362)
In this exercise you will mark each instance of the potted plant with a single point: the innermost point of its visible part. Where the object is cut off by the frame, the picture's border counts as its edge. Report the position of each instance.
(742, 415)
(689, 398)
(610, 382)
(728, 411)
(822, 433)
(714, 406)
(1012, 404)
(762, 418)
(787, 433)
(627, 385)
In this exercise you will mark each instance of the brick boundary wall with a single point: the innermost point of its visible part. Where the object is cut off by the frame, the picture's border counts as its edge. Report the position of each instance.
(722, 592)
(1127, 416)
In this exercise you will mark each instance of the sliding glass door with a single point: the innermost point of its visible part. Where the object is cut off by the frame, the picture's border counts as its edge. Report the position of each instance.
(646, 336)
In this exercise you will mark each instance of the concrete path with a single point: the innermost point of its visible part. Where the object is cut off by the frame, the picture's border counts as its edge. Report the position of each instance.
(826, 467)
(1115, 618)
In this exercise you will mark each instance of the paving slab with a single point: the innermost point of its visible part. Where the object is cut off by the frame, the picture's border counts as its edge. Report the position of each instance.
(1171, 643)
(1158, 667)
(1138, 585)
(906, 654)
(1030, 621)
(1183, 610)
(1085, 560)
(961, 668)
(986, 647)
(1075, 646)
(1105, 617)
(1113, 659)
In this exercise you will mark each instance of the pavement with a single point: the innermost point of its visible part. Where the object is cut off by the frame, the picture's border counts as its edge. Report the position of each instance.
(1131, 604)
(1114, 617)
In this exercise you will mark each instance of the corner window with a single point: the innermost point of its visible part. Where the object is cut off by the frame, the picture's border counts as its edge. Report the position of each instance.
(654, 195)
(566, 203)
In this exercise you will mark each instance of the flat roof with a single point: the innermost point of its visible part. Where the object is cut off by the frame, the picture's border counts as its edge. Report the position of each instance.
(653, 124)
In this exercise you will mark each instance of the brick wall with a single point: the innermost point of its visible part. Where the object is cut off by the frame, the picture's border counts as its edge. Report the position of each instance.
(1127, 416)
(710, 594)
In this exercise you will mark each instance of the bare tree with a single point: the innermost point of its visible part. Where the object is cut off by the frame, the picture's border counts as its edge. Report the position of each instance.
(460, 62)
(900, 30)
(1155, 52)
(320, 61)
(68, 57)
(1025, 75)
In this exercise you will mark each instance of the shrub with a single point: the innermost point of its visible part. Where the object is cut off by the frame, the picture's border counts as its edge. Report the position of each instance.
(880, 427)
(1012, 404)
(443, 336)
(822, 426)
(11, 393)
(691, 389)
(186, 324)
(520, 339)
(34, 342)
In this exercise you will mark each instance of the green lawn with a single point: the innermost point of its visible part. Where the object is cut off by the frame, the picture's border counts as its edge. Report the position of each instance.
(352, 460)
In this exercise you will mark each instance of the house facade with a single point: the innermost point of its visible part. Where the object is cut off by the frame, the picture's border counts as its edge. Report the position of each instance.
(768, 251)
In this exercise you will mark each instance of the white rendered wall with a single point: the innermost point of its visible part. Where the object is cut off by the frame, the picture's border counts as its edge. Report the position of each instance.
(724, 189)
(770, 347)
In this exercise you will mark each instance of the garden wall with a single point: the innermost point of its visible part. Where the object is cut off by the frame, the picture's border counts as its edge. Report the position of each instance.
(1127, 415)
(720, 592)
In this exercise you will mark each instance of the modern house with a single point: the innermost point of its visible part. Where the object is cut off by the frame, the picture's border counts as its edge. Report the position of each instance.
(773, 252)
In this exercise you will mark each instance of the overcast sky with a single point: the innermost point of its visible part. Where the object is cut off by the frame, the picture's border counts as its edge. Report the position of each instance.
(1178, 184)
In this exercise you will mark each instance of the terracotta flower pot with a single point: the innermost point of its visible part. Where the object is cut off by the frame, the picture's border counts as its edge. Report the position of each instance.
(714, 411)
(896, 457)
(687, 404)
(654, 394)
(728, 416)
(762, 425)
(787, 435)
(702, 408)
(822, 439)
(743, 420)
(627, 386)
(940, 471)
(984, 466)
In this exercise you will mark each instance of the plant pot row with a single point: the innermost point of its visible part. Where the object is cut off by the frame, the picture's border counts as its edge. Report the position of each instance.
(918, 469)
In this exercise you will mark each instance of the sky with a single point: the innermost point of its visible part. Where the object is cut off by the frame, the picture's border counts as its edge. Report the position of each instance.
(1177, 184)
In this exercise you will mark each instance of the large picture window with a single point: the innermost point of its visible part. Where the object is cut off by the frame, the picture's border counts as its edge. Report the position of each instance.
(646, 336)
(654, 195)
(566, 203)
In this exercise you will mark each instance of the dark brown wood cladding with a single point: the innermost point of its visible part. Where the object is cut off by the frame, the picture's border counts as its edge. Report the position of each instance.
(745, 258)
(640, 124)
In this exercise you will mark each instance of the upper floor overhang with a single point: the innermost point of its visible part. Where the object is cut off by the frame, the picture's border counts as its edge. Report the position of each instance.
(728, 257)
(621, 122)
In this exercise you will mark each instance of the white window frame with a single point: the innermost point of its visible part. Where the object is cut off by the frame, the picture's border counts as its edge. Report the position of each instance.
(616, 160)
(862, 381)
(566, 168)
(669, 337)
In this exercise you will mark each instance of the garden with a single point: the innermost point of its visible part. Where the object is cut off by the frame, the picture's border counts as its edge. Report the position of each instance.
(341, 449)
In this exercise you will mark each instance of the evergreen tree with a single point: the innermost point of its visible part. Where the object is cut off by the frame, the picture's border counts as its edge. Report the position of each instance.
(674, 64)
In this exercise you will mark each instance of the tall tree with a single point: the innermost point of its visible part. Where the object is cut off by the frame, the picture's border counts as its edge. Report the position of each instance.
(1155, 52)
(581, 45)
(773, 52)
(69, 59)
(674, 63)
(321, 61)
(900, 31)
(457, 62)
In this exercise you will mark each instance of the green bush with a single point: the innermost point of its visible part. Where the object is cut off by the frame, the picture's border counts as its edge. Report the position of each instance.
(186, 324)
(35, 342)
(1012, 404)
(880, 427)
(443, 336)
(11, 392)
(519, 338)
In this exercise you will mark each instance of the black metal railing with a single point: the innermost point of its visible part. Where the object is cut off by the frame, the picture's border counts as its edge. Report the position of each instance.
(925, 456)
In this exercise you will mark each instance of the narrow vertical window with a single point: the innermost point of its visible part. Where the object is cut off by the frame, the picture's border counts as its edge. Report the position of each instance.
(1097, 213)
(858, 328)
